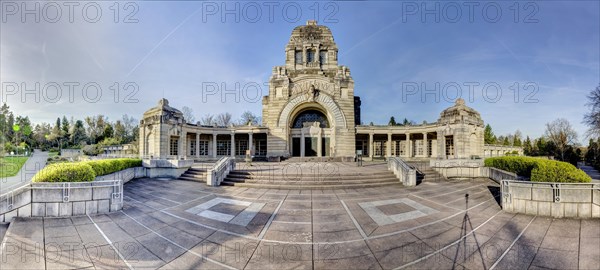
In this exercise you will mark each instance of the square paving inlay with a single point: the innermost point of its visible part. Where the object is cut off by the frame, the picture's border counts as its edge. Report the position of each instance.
(387, 212)
(227, 210)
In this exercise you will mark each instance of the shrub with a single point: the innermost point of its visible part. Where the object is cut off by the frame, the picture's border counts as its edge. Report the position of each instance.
(540, 170)
(108, 166)
(65, 172)
(71, 172)
(557, 171)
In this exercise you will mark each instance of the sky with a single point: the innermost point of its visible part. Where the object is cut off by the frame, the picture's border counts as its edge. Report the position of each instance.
(520, 64)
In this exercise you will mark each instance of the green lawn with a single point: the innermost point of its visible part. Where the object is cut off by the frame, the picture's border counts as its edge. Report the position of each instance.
(10, 166)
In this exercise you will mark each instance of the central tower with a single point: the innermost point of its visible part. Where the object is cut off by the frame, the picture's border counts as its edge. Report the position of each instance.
(310, 106)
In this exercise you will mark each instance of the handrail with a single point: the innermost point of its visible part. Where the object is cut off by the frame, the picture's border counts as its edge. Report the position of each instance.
(405, 173)
(219, 171)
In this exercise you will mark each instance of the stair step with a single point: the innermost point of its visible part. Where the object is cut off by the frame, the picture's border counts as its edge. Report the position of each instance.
(275, 186)
(3, 229)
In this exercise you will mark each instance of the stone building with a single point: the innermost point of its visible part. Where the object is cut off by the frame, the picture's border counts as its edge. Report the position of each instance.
(311, 111)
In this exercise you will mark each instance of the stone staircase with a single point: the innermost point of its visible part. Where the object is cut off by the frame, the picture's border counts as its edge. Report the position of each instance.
(194, 174)
(346, 177)
(3, 229)
(425, 173)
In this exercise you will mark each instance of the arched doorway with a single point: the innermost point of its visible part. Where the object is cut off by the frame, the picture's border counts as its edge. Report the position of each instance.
(310, 133)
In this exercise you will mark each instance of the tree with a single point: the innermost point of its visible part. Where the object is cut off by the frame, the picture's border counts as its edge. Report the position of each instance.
(224, 119)
(506, 141)
(517, 138)
(392, 122)
(561, 133)
(78, 136)
(208, 120)
(108, 132)
(188, 114)
(131, 128)
(406, 122)
(65, 126)
(248, 118)
(120, 133)
(592, 119)
(527, 147)
(96, 125)
(488, 135)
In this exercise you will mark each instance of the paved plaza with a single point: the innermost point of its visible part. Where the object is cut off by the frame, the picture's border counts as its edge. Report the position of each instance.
(175, 224)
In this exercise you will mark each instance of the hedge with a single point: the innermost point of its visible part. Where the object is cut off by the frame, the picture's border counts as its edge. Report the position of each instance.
(65, 172)
(540, 170)
(84, 171)
(108, 166)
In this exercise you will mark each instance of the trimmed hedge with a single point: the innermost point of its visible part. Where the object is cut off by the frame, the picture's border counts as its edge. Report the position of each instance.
(84, 171)
(65, 172)
(540, 170)
(108, 166)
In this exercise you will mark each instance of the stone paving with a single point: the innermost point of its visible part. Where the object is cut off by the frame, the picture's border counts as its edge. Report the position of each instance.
(182, 225)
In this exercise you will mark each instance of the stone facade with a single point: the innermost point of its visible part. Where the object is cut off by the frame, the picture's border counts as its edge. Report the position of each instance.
(311, 111)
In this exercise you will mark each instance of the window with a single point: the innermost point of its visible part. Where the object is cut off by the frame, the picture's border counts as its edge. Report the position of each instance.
(204, 148)
(419, 146)
(429, 147)
(310, 56)
(260, 147)
(311, 116)
(173, 146)
(193, 147)
(223, 147)
(379, 148)
(449, 146)
(241, 147)
(298, 56)
(323, 57)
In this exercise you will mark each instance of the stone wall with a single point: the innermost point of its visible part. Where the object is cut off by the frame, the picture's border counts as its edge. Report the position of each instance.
(103, 195)
(457, 168)
(574, 200)
(497, 174)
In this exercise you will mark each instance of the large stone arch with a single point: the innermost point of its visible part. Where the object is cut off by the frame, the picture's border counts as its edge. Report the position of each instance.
(332, 110)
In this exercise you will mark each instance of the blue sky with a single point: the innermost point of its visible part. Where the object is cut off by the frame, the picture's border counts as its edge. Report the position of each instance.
(549, 51)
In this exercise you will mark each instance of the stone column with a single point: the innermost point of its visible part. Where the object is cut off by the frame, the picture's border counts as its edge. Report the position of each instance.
(250, 144)
(389, 145)
(371, 145)
(425, 154)
(197, 144)
(408, 153)
(232, 144)
(302, 144)
(182, 145)
(441, 146)
(320, 143)
(214, 145)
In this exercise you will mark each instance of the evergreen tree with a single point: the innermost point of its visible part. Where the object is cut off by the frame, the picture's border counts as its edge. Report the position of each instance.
(392, 121)
(488, 135)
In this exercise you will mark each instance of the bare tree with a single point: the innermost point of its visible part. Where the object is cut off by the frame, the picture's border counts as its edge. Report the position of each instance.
(562, 134)
(592, 119)
(224, 119)
(208, 120)
(188, 114)
(248, 118)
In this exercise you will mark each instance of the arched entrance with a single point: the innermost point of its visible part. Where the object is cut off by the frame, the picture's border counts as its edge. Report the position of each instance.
(310, 133)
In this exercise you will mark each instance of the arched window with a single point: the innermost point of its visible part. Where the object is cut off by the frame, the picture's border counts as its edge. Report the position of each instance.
(310, 116)
(310, 56)
(323, 57)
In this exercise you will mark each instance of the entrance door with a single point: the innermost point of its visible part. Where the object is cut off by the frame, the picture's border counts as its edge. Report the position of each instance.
(295, 147)
(310, 147)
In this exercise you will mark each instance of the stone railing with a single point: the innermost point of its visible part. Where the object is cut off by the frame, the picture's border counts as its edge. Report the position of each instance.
(577, 200)
(216, 174)
(497, 174)
(62, 199)
(457, 168)
(404, 172)
(103, 195)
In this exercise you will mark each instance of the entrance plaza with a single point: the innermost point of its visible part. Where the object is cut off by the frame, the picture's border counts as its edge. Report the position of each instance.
(179, 224)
